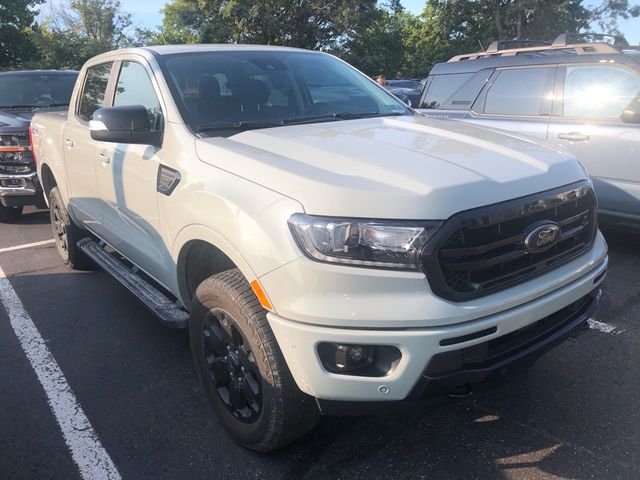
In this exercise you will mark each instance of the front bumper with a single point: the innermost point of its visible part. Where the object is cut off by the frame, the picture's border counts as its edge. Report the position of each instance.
(21, 190)
(414, 374)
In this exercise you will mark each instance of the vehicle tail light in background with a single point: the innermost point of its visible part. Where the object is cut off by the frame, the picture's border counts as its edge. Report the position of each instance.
(33, 153)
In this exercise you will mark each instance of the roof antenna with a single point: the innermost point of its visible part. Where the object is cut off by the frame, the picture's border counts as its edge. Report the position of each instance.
(481, 47)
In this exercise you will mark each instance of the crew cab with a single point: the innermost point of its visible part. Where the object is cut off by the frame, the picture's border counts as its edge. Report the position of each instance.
(21, 94)
(328, 248)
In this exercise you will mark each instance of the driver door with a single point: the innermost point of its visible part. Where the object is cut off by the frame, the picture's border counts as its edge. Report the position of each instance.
(127, 177)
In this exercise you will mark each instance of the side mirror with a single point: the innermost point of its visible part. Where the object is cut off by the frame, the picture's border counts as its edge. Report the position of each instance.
(125, 124)
(631, 114)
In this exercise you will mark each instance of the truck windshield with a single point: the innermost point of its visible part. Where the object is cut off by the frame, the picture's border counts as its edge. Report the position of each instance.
(35, 91)
(240, 90)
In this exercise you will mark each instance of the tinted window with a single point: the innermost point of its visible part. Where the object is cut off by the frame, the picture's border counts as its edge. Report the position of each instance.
(599, 91)
(93, 92)
(442, 87)
(135, 88)
(524, 91)
(222, 89)
(36, 90)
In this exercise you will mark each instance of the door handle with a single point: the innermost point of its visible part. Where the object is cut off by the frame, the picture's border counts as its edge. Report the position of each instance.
(574, 137)
(106, 160)
(69, 142)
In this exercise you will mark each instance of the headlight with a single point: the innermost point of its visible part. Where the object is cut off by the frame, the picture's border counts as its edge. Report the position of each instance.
(368, 243)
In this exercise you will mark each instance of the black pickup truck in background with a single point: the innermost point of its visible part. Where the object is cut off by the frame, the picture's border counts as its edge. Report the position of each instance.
(22, 93)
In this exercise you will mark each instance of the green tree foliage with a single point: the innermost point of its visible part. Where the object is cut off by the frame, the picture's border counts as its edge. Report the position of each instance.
(315, 24)
(16, 34)
(377, 36)
(81, 29)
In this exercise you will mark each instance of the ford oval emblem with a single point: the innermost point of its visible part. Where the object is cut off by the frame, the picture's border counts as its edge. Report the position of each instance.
(541, 237)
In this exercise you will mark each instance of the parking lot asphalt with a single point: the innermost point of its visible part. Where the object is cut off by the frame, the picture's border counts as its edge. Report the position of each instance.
(574, 414)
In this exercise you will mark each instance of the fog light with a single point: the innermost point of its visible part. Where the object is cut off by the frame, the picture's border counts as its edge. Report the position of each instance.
(345, 358)
(350, 357)
(359, 360)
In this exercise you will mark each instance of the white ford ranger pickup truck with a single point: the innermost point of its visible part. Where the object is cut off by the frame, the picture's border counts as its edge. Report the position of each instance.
(328, 248)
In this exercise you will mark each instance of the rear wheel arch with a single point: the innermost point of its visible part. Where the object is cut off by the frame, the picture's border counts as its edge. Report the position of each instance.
(47, 180)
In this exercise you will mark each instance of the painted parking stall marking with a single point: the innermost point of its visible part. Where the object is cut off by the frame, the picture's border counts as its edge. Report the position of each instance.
(27, 245)
(86, 450)
(603, 327)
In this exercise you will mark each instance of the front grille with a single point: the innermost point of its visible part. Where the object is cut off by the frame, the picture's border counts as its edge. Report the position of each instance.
(16, 162)
(482, 251)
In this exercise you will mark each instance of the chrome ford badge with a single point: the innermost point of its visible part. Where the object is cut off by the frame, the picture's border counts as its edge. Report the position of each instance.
(541, 237)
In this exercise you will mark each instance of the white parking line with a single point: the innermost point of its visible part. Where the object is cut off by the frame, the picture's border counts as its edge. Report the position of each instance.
(603, 327)
(27, 245)
(86, 450)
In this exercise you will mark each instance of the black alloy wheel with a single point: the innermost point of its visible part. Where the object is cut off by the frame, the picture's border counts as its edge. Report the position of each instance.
(232, 366)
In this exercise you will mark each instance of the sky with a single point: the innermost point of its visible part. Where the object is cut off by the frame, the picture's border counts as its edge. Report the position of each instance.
(146, 13)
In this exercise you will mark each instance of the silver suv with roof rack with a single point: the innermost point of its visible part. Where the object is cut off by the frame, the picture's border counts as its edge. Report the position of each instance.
(581, 92)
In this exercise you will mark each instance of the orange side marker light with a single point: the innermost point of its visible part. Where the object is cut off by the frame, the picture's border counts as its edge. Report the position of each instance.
(262, 297)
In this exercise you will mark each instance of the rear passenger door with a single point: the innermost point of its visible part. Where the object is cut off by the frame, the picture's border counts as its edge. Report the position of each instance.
(79, 148)
(519, 100)
(588, 123)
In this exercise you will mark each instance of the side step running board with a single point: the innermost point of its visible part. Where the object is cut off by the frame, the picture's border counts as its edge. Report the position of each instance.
(168, 312)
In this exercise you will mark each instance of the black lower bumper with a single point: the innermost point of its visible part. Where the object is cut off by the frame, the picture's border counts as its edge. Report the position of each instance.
(456, 371)
(21, 190)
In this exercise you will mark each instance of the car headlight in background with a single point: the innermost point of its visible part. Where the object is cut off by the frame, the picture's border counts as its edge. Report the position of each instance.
(362, 242)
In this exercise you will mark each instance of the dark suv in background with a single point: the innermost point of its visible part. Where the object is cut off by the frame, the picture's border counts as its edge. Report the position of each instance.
(582, 95)
(22, 93)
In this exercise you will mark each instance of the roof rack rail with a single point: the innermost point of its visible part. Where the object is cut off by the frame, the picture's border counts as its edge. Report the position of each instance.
(589, 45)
(616, 41)
(498, 45)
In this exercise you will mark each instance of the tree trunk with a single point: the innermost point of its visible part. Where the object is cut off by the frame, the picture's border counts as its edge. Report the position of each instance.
(519, 21)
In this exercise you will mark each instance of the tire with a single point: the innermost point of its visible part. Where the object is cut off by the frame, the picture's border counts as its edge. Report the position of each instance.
(242, 369)
(9, 214)
(67, 234)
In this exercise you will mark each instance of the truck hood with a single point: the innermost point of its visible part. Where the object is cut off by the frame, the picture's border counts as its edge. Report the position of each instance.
(391, 167)
(17, 120)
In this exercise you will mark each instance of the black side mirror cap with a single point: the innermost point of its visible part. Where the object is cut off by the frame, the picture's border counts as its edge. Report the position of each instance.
(124, 124)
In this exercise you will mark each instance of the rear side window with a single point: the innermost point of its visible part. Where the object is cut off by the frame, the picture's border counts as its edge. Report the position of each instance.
(135, 88)
(94, 90)
(521, 92)
(442, 87)
(595, 91)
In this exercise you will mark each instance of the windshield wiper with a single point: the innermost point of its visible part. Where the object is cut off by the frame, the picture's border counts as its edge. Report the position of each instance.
(246, 125)
(339, 116)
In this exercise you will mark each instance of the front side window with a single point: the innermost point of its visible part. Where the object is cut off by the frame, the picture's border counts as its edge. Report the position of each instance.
(442, 87)
(94, 90)
(257, 89)
(135, 88)
(521, 92)
(596, 91)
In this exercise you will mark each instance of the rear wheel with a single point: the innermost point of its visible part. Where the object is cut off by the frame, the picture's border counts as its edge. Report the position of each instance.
(242, 369)
(8, 214)
(67, 234)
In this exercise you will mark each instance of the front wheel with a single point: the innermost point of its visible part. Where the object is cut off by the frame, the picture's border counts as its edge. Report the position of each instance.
(67, 234)
(9, 214)
(242, 368)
